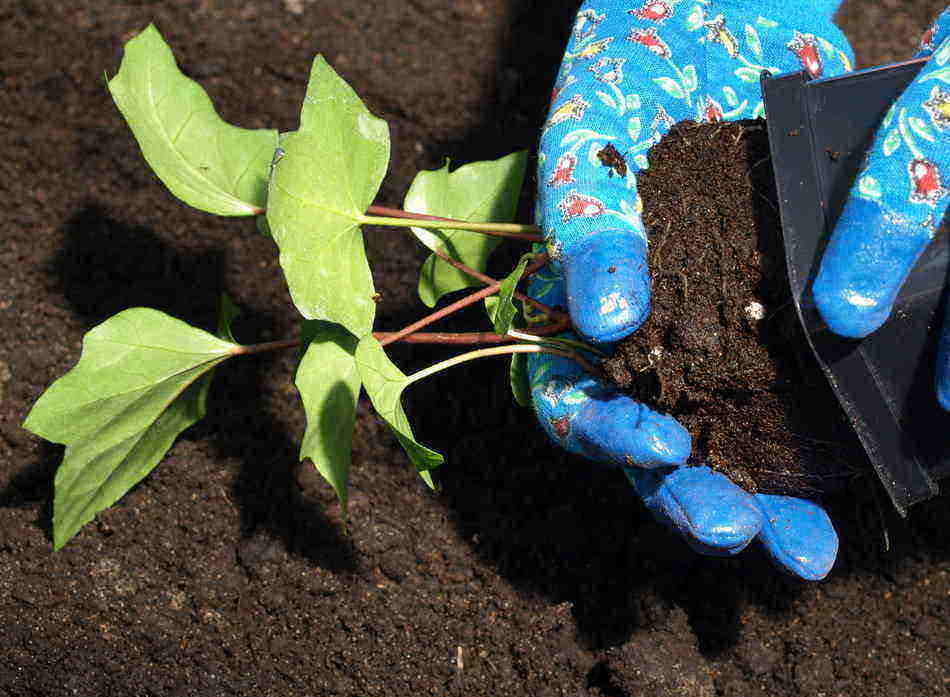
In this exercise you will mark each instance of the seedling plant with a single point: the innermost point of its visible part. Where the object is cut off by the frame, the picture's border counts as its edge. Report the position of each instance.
(143, 377)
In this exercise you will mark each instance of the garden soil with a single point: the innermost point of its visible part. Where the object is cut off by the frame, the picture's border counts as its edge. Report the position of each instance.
(227, 570)
(723, 349)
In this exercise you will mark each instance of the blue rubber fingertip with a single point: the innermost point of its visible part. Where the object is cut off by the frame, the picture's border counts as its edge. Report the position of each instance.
(714, 515)
(608, 285)
(618, 430)
(863, 268)
(943, 389)
(798, 535)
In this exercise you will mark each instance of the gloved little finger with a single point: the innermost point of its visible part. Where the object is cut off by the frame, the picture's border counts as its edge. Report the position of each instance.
(714, 516)
(798, 535)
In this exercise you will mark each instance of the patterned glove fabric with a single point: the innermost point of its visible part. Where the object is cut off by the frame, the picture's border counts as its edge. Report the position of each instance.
(895, 209)
(630, 72)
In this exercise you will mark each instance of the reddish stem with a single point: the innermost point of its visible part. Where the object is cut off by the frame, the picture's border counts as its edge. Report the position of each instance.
(471, 299)
(400, 213)
(488, 280)
(418, 338)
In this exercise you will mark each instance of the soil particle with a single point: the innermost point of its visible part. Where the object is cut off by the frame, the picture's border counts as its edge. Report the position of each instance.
(722, 350)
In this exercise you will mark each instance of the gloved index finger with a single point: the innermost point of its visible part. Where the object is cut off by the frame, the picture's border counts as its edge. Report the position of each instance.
(894, 210)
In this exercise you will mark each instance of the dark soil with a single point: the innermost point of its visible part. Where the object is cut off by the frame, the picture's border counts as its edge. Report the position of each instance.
(722, 350)
(226, 572)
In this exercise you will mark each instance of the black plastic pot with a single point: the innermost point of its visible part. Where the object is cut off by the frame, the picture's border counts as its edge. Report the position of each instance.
(819, 131)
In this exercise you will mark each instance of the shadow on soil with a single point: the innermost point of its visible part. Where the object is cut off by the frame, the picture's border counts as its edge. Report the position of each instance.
(105, 267)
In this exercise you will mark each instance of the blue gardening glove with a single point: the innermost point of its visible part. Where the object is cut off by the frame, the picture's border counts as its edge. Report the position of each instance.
(895, 209)
(630, 72)
(714, 515)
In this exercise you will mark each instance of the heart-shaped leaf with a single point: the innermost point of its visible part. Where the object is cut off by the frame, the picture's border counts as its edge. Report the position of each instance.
(485, 191)
(204, 161)
(323, 178)
(138, 384)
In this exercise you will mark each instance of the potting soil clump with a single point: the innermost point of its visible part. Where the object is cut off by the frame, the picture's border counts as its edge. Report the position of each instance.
(722, 350)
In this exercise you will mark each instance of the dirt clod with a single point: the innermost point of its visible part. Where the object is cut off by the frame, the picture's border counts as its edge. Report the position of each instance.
(722, 350)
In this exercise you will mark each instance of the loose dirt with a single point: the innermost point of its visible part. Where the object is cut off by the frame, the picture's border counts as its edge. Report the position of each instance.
(722, 350)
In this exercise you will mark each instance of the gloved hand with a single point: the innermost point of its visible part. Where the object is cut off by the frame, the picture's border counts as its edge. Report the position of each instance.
(630, 72)
(897, 207)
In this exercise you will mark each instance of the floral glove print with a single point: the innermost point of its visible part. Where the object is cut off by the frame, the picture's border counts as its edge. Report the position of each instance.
(630, 72)
(896, 208)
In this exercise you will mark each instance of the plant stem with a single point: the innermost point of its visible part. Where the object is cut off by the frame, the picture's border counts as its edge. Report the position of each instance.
(268, 346)
(488, 280)
(383, 215)
(528, 233)
(386, 212)
(449, 338)
(471, 299)
(496, 351)
(439, 314)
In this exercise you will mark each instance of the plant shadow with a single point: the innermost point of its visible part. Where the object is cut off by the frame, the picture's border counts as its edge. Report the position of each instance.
(106, 266)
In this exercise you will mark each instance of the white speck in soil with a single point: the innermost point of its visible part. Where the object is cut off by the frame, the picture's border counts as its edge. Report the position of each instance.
(755, 310)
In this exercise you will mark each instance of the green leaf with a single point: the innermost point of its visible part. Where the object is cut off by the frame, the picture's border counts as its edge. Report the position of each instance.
(608, 101)
(695, 18)
(227, 313)
(747, 74)
(759, 111)
(942, 74)
(892, 142)
(327, 173)
(889, 116)
(634, 128)
(642, 161)
(504, 311)
(845, 61)
(766, 23)
(869, 187)
(633, 101)
(594, 148)
(262, 226)
(384, 383)
(204, 161)
(690, 80)
(920, 127)
(518, 376)
(329, 385)
(734, 113)
(138, 384)
(485, 191)
(828, 47)
(670, 86)
(752, 38)
(943, 53)
(731, 98)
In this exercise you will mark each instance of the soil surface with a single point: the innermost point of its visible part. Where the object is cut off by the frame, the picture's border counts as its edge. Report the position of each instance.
(226, 571)
(723, 350)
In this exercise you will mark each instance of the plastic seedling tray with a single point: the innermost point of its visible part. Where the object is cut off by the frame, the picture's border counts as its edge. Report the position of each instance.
(819, 131)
